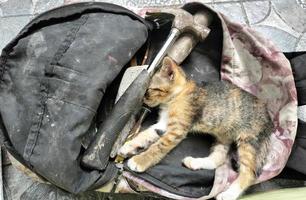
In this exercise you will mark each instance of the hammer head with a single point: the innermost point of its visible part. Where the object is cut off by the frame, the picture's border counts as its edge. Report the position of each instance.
(184, 21)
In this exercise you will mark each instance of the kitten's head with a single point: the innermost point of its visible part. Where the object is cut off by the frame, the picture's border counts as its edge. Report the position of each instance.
(166, 83)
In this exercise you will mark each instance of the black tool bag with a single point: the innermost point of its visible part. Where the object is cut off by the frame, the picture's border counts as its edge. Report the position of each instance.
(54, 80)
(59, 80)
(58, 83)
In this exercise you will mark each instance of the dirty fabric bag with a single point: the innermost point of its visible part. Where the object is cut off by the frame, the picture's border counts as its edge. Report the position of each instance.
(53, 76)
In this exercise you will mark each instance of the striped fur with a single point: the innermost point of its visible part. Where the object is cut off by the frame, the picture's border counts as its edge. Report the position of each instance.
(221, 109)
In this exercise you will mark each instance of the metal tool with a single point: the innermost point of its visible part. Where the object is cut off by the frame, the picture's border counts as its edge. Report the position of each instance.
(98, 153)
(183, 23)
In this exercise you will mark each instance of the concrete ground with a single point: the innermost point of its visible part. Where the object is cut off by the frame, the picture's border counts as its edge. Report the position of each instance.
(283, 21)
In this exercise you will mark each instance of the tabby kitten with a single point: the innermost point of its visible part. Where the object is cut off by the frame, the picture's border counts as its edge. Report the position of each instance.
(221, 109)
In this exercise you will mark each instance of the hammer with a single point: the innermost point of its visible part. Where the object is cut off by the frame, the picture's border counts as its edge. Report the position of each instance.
(192, 29)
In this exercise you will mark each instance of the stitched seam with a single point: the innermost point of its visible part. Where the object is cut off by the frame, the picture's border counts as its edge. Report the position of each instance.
(37, 122)
(35, 129)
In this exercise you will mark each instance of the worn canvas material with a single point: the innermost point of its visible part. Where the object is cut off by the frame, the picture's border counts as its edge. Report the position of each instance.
(54, 76)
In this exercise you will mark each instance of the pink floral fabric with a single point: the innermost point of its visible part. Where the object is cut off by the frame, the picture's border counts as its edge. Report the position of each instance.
(257, 66)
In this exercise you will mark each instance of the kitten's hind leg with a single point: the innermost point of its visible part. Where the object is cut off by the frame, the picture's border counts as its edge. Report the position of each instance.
(142, 141)
(216, 158)
(247, 159)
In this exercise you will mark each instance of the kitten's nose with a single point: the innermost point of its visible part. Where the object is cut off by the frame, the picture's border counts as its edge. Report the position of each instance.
(147, 95)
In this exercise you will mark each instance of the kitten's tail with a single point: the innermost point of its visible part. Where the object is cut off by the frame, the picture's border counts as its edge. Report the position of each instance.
(263, 150)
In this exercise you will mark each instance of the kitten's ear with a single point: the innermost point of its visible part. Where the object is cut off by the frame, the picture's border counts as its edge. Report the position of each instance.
(169, 68)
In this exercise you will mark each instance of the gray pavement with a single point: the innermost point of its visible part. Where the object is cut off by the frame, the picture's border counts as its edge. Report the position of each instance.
(283, 21)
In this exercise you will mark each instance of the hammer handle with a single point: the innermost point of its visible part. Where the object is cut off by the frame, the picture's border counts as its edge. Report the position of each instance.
(174, 34)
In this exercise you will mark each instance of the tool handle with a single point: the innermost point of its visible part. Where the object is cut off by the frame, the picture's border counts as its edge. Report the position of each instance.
(98, 153)
(163, 51)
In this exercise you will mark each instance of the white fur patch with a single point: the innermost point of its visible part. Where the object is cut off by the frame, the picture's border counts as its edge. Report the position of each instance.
(141, 141)
(127, 149)
(199, 163)
(133, 165)
(232, 193)
(162, 121)
(146, 137)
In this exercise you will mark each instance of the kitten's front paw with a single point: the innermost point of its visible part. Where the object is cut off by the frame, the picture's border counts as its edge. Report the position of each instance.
(191, 163)
(137, 164)
(128, 149)
(198, 163)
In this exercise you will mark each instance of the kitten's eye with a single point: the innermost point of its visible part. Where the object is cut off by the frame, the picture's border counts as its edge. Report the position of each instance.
(156, 89)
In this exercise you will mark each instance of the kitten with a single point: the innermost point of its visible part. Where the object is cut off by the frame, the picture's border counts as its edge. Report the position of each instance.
(221, 109)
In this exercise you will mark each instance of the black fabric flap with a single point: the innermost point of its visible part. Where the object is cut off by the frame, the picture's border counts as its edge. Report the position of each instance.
(298, 64)
(53, 77)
